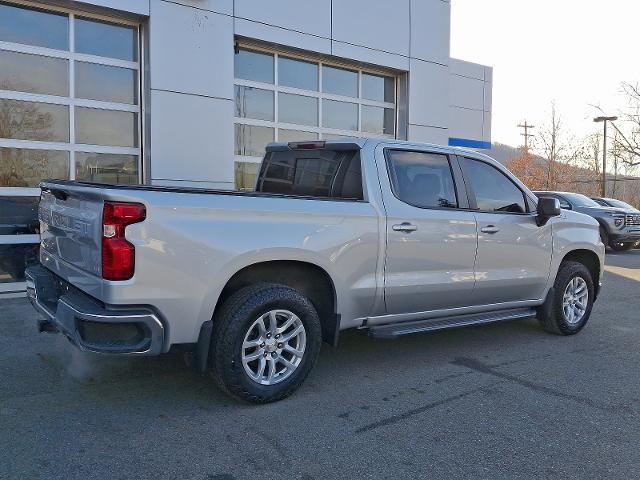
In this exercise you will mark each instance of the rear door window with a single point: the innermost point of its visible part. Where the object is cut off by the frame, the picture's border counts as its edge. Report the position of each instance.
(422, 179)
(314, 173)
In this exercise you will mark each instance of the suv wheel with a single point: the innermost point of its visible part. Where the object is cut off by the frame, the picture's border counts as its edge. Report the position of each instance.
(572, 301)
(621, 246)
(266, 340)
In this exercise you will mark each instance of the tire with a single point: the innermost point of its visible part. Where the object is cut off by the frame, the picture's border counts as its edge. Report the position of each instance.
(554, 319)
(621, 246)
(238, 320)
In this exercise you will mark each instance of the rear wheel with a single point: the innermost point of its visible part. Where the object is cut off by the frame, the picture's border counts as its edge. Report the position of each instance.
(266, 340)
(622, 246)
(572, 301)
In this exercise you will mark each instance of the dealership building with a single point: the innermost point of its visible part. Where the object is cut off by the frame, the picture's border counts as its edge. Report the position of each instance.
(189, 92)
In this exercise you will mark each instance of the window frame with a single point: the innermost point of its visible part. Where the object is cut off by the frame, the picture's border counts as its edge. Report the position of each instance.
(562, 200)
(71, 101)
(456, 175)
(357, 156)
(473, 203)
(319, 131)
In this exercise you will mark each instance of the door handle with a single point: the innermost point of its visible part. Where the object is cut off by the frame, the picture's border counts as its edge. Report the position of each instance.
(490, 229)
(404, 227)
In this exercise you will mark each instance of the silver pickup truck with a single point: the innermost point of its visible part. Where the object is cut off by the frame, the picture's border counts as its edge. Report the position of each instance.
(388, 236)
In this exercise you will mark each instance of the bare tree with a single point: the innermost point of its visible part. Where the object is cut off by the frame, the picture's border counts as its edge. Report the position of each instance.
(592, 155)
(529, 168)
(558, 150)
(627, 138)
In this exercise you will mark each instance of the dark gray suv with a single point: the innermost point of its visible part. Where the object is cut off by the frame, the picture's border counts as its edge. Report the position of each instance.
(619, 228)
(612, 202)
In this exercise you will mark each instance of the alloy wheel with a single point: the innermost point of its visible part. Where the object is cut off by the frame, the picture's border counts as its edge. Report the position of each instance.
(273, 347)
(575, 300)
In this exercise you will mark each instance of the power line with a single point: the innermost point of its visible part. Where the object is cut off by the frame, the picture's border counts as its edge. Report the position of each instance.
(526, 126)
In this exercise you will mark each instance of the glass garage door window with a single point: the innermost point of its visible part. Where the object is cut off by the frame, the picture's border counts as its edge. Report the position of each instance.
(286, 98)
(69, 109)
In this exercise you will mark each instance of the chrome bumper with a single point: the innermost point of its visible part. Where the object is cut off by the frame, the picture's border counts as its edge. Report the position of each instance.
(87, 323)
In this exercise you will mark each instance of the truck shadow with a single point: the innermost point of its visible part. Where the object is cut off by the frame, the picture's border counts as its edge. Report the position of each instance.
(359, 360)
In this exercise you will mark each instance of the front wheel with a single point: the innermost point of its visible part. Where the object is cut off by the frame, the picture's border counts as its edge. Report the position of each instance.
(266, 340)
(622, 246)
(572, 301)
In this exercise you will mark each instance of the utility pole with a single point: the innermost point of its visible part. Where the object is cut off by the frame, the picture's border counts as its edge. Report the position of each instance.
(526, 126)
(604, 120)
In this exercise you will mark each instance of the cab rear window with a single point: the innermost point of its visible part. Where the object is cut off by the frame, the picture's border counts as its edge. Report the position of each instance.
(312, 173)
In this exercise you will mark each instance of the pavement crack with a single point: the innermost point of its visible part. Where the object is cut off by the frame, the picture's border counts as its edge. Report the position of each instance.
(416, 411)
(478, 366)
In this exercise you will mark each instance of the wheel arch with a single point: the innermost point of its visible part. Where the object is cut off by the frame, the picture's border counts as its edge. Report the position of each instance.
(307, 278)
(590, 260)
(603, 226)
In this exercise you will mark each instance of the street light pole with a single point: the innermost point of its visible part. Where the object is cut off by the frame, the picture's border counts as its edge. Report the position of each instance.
(604, 120)
(604, 160)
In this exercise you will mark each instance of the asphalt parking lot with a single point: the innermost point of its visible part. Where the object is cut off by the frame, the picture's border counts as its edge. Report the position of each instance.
(501, 401)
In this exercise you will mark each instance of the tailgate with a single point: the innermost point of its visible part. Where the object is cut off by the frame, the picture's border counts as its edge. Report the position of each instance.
(71, 230)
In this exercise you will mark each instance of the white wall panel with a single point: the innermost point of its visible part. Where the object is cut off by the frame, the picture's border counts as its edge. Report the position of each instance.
(486, 127)
(218, 6)
(281, 36)
(488, 74)
(376, 24)
(419, 133)
(466, 92)
(428, 94)
(430, 30)
(311, 17)
(467, 69)
(367, 55)
(467, 124)
(488, 92)
(191, 137)
(191, 50)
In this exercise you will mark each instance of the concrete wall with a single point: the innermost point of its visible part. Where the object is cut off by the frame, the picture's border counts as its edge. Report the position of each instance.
(470, 87)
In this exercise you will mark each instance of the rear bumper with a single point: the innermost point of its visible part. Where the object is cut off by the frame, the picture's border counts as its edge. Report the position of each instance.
(88, 323)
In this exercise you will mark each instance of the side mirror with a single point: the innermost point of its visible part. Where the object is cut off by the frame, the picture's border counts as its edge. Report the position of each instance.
(547, 208)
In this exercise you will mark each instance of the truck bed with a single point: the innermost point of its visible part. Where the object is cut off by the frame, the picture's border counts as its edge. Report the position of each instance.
(193, 241)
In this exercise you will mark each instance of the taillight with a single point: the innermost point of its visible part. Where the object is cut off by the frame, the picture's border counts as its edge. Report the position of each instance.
(118, 255)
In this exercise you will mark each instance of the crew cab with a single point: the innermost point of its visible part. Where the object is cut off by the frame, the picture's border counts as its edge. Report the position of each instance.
(390, 237)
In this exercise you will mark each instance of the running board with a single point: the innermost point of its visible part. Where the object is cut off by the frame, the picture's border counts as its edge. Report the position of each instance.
(437, 324)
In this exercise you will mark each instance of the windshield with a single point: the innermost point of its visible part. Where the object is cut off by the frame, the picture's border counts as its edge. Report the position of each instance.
(580, 200)
(619, 203)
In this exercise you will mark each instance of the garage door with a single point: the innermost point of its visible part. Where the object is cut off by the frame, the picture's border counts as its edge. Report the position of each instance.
(69, 108)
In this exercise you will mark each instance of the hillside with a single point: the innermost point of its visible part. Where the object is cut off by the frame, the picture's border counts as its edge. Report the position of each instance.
(534, 173)
(502, 152)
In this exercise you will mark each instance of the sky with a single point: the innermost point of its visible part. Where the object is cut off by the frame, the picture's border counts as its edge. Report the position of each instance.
(575, 53)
